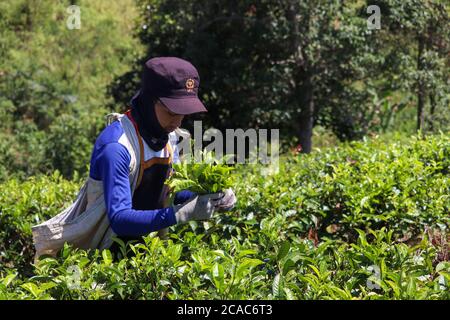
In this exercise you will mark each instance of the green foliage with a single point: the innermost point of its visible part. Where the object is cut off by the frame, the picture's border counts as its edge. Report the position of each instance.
(412, 47)
(209, 176)
(23, 204)
(53, 81)
(367, 220)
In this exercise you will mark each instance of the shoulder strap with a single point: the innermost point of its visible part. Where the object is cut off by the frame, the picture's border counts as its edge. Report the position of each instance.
(141, 147)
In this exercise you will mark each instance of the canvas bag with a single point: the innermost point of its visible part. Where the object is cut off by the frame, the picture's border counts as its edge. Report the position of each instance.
(85, 223)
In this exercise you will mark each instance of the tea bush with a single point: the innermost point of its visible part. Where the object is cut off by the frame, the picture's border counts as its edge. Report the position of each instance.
(25, 204)
(365, 220)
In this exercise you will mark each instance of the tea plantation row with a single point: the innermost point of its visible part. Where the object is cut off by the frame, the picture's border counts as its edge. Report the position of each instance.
(366, 220)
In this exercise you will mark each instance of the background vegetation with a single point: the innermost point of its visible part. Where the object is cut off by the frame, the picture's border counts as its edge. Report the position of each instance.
(53, 81)
(308, 65)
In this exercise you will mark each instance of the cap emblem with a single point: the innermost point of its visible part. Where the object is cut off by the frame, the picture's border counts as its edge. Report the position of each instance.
(190, 83)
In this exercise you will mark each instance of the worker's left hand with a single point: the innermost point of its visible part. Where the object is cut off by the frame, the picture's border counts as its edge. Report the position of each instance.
(227, 202)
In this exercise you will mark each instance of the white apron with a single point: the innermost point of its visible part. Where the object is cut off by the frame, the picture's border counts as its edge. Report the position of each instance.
(85, 223)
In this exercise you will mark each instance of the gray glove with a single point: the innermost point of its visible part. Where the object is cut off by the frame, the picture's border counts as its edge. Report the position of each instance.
(197, 208)
(228, 201)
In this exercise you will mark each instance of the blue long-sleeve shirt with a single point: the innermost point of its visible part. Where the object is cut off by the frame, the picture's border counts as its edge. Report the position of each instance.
(110, 163)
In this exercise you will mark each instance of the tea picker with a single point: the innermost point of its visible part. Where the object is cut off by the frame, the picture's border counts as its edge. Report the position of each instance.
(125, 194)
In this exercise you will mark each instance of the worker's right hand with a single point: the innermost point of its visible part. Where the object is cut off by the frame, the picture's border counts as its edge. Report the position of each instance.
(200, 207)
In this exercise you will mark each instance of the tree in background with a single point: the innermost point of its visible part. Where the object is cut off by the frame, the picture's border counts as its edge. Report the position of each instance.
(414, 43)
(283, 64)
(420, 59)
(262, 65)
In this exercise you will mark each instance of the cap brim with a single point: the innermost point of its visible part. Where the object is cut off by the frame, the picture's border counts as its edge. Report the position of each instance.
(183, 106)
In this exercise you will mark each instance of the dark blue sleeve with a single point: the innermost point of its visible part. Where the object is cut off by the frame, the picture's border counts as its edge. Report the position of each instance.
(182, 196)
(113, 167)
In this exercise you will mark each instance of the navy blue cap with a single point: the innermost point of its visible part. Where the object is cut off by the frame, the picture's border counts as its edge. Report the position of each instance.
(175, 83)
